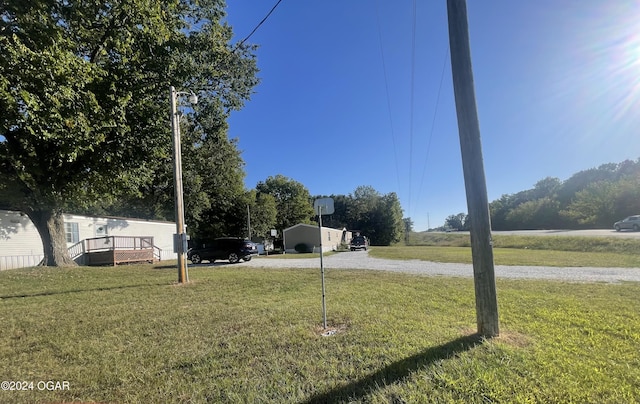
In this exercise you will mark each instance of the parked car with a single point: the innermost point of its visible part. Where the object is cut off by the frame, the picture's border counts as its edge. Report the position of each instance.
(631, 223)
(224, 248)
(359, 242)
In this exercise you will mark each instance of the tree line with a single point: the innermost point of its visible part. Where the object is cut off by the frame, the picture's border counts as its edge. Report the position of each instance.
(592, 198)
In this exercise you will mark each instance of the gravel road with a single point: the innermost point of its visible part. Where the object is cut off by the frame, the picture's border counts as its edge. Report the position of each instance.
(362, 260)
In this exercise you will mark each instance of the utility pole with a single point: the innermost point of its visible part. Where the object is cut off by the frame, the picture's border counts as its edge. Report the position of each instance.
(180, 238)
(249, 221)
(473, 169)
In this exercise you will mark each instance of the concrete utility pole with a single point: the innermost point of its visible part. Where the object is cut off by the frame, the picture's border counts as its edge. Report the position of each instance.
(473, 169)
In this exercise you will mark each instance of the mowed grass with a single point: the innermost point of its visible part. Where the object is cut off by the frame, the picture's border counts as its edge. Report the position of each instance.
(234, 334)
(557, 251)
(511, 256)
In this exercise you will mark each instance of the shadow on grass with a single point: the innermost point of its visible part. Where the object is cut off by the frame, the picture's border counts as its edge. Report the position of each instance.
(64, 292)
(397, 371)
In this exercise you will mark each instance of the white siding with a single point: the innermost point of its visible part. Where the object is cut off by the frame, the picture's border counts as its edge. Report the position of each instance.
(18, 236)
(308, 234)
(162, 232)
(20, 244)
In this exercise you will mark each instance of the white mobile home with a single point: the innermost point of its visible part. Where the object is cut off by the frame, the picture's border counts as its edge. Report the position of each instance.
(20, 244)
(310, 236)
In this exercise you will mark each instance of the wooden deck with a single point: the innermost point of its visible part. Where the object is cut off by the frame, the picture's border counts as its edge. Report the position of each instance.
(114, 250)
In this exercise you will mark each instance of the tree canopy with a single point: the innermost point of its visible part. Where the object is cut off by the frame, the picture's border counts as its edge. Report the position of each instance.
(377, 216)
(292, 199)
(84, 110)
(596, 197)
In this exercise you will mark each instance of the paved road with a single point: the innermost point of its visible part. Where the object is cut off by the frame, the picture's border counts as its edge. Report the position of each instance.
(362, 260)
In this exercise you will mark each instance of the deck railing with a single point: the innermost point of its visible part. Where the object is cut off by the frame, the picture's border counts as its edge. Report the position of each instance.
(115, 249)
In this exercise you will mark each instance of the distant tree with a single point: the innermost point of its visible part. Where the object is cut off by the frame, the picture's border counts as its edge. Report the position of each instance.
(408, 225)
(627, 196)
(535, 214)
(84, 99)
(582, 179)
(546, 188)
(457, 222)
(388, 226)
(377, 216)
(593, 205)
(263, 213)
(293, 201)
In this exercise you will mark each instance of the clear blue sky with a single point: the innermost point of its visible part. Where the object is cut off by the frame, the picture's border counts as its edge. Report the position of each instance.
(557, 88)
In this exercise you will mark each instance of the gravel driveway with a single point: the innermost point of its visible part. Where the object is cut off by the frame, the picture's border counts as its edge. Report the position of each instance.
(362, 260)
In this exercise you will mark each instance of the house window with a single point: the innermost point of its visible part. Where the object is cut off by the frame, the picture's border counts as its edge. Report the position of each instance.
(329, 234)
(71, 232)
(102, 230)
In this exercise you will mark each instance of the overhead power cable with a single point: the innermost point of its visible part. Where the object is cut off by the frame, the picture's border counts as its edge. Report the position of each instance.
(260, 23)
(433, 120)
(411, 106)
(386, 86)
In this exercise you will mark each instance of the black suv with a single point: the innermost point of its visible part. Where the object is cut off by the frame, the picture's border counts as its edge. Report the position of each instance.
(359, 242)
(225, 248)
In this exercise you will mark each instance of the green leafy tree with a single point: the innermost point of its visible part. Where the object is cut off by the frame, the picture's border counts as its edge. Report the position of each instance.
(263, 213)
(387, 218)
(408, 225)
(84, 99)
(627, 196)
(293, 201)
(535, 214)
(376, 216)
(457, 222)
(593, 205)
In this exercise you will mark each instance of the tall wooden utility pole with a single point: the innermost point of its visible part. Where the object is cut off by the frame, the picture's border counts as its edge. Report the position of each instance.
(473, 168)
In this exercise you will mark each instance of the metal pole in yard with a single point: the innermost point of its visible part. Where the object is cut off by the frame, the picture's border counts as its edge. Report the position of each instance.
(324, 306)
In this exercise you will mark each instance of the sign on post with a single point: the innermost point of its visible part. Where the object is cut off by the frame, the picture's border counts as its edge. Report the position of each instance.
(323, 206)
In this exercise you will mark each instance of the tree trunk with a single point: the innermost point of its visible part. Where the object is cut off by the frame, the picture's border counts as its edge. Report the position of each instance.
(50, 225)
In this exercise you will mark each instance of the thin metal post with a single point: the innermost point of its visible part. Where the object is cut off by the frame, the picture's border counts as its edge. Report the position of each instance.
(324, 305)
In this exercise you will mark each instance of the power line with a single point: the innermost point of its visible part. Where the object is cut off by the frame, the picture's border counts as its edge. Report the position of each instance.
(433, 121)
(260, 23)
(386, 86)
(411, 106)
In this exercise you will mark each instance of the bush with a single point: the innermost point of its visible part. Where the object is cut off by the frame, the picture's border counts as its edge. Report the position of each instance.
(302, 248)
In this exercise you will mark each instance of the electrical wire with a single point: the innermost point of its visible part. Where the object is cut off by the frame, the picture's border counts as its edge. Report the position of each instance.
(411, 105)
(260, 23)
(433, 121)
(386, 86)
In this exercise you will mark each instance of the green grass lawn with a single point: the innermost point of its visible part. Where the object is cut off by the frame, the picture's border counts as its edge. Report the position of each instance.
(512, 256)
(130, 334)
(557, 251)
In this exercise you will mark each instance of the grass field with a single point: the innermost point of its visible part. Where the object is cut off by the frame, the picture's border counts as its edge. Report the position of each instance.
(129, 334)
(557, 251)
(512, 256)
(545, 243)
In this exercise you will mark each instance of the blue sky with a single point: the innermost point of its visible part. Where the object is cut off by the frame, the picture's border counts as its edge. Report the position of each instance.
(557, 88)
